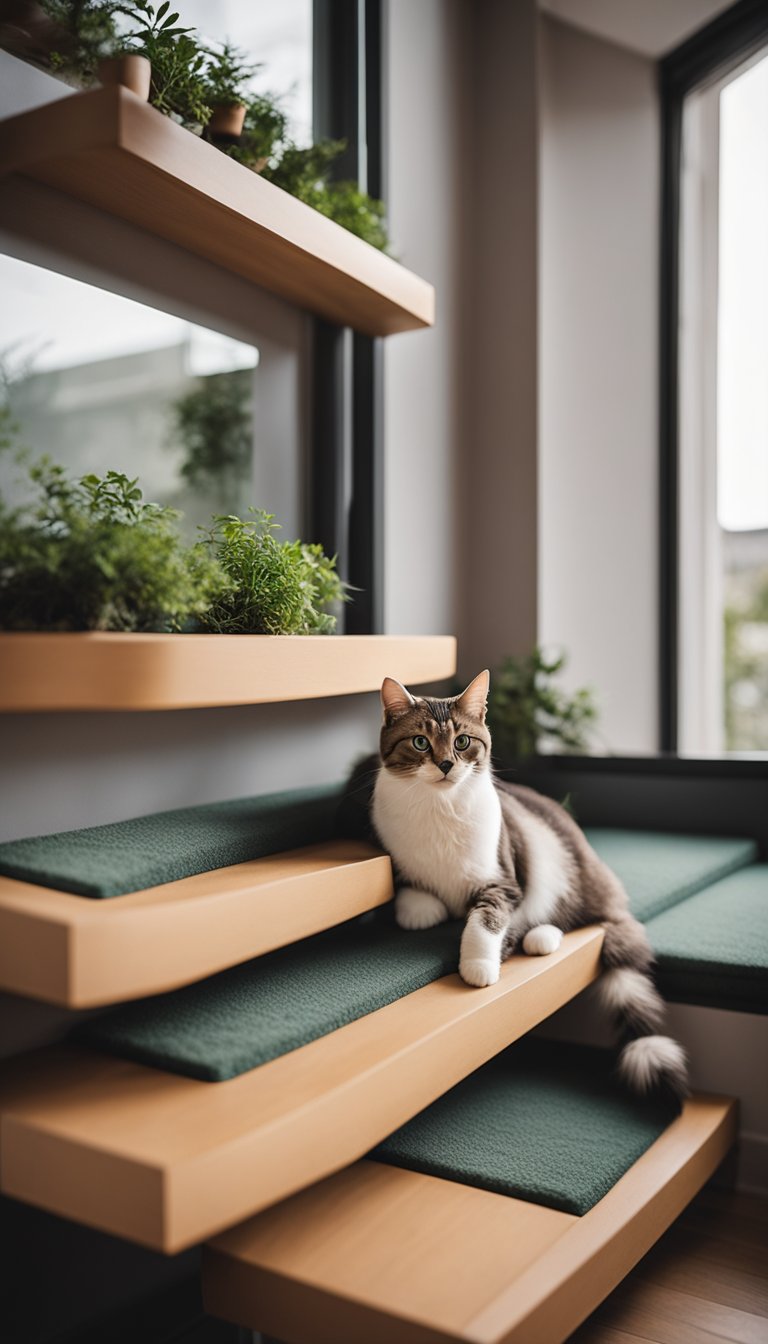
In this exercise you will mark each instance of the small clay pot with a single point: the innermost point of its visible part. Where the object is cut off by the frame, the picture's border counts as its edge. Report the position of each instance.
(133, 72)
(227, 120)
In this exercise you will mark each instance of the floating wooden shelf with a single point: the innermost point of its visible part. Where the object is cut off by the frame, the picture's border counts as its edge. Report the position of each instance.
(143, 672)
(111, 150)
(166, 1161)
(81, 953)
(378, 1253)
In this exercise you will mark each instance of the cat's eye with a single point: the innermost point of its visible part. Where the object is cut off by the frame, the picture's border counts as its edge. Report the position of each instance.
(462, 742)
(420, 742)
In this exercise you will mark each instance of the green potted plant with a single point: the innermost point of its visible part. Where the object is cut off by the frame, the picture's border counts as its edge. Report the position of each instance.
(528, 713)
(74, 37)
(177, 85)
(227, 73)
(264, 128)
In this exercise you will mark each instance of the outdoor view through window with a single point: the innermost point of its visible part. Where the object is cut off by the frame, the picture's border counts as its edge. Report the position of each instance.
(742, 405)
(723, 364)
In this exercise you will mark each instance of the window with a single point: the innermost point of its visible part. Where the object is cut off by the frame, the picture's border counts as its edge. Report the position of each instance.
(714, 389)
(723, 415)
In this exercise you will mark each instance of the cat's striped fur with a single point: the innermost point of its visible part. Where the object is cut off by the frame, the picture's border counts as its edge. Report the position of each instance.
(512, 862)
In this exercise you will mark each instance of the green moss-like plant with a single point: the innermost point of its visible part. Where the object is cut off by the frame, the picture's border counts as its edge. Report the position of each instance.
(528, 713)
(276, 587)
(91, 554)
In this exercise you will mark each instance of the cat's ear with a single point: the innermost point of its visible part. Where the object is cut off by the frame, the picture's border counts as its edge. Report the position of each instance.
(472, 702)
(395, 700)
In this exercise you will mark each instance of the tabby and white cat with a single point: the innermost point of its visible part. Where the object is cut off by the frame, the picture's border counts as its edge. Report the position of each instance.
(513, 862)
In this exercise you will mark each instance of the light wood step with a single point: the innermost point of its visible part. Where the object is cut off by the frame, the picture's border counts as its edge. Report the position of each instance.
(167, 1161)
(377, 1253)
(81, 952)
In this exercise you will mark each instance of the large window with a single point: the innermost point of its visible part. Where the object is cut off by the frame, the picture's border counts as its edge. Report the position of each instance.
(723, 415)
(713, 632)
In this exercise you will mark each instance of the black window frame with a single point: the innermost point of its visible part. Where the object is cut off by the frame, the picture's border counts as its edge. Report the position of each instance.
(729, 40)
(346, 469)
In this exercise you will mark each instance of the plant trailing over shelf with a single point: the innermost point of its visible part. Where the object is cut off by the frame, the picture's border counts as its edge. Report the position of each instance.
(305, 173)
(277, 587)
(91, 554)
(528, 713)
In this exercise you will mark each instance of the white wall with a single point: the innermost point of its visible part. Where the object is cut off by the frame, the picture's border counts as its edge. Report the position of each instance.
(598, 430)
(429, 144)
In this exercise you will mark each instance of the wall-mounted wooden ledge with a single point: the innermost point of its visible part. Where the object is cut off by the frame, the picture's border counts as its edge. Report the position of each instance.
(167, 1161)
(111, 150)
(82, 953)
(380, 1254)
(146, 672)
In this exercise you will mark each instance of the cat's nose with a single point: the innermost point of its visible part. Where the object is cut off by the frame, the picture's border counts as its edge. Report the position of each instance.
(445, 766)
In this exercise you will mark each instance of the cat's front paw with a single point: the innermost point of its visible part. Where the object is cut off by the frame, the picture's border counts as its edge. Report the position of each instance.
(542, 940)
(479, 971)
(418, 909)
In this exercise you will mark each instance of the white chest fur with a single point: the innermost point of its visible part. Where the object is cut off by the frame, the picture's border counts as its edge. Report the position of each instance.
(446, 840)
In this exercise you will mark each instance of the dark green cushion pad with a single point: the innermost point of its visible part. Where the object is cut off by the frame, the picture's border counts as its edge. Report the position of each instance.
(241, 1018)
(660, 870)
(544, 1122)
(713, 950)
(147, 851)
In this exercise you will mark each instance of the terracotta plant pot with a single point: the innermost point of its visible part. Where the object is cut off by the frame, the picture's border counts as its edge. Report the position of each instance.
(227, 120)
(133, 72)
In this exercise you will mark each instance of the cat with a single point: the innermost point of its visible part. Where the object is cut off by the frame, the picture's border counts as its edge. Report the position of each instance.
(509, 861)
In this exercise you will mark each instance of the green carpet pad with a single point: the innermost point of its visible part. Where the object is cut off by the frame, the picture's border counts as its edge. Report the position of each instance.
(241, 1018)
(147, 851)
(544, 1122)
(660, 870)
(713, 949)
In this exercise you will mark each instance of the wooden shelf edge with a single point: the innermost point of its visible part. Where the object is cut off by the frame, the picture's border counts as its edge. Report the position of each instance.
(78, 952)
(78, 1128)
(92, 671)
(113, 151)
(366, 1255)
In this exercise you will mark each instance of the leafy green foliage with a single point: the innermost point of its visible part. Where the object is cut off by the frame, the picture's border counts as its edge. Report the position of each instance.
(528, 713)
(227, 74)
(277, 587)
(214, 423)
(305, 173)
(91, 554)
(83, 32)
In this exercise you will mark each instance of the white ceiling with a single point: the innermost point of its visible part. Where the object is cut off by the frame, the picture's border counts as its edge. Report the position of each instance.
(650, 27)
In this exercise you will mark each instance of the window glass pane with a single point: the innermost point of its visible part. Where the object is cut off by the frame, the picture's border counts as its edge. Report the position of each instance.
(742, 404)
(99, 382)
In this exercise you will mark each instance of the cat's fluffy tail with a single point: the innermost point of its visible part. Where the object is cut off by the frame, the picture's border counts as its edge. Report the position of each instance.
(648, 1062)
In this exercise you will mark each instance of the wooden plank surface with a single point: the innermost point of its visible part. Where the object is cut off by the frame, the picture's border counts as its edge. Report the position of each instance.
(108, 148)
(382, 1254)
(95, 671)
(81, 953)
(78, 1129)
